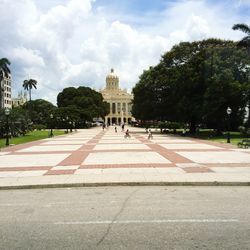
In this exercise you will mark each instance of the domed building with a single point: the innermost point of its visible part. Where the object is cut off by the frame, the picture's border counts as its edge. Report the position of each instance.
(119, 100)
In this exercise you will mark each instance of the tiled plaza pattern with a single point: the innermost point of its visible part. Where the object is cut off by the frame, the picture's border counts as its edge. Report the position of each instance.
(96, 155)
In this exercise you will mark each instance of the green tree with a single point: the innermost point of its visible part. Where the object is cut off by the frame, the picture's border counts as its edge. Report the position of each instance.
(88, 102)
(245, 42)
(29, 84)
(39, 111)
(194, 83)
(4, 72)
(19, 122)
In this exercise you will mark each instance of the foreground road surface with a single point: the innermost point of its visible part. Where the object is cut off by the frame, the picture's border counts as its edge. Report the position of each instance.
(126, 218)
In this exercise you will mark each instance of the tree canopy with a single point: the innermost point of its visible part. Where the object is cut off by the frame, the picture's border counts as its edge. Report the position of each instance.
(39, 110)
(194, 83)
(29, 84)
(83, 103)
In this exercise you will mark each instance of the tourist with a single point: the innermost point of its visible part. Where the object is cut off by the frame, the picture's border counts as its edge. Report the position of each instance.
(150, 136)
(127, 135)
(115, 129)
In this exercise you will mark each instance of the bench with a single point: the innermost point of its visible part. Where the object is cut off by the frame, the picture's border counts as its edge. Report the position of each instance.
(244, 143)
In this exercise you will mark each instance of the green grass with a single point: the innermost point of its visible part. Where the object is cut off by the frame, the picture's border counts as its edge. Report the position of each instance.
(32, 136)
(207, 134)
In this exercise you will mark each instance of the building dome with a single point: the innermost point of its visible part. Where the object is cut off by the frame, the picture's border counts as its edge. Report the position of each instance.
(112, 80)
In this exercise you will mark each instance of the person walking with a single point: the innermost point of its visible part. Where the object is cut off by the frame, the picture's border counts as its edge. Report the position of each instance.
(150, 136)
(127, 135)
(115, 129)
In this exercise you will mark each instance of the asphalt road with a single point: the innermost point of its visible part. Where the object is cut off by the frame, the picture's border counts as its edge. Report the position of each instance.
(126, 218)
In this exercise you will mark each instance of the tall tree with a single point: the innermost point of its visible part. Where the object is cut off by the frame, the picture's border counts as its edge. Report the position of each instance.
(88, 102)
(4, 72)
(194, 83)
(39, 110)
(245, 42)
(29, 84)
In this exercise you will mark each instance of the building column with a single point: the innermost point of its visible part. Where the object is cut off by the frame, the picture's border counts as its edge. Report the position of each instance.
(110, 108)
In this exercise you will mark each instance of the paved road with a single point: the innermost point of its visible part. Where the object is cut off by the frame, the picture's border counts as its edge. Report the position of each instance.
(126, 218)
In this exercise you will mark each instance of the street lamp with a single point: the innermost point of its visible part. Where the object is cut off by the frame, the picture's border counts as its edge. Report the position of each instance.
(229, 111)
(67, 124)
(51, 129)
(7, 113)
(70, 126)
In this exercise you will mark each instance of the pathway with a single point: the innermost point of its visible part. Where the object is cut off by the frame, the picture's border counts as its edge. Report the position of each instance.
(94, 156)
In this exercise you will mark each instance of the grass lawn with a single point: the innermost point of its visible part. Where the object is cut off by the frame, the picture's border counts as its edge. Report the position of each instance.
(32, 136)
(208, 135)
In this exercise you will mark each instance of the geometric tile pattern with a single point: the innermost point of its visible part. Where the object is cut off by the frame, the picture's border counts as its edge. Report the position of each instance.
(95, 150)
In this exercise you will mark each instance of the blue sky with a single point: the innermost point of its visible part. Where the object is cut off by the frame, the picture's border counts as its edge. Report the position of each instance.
(65, 43)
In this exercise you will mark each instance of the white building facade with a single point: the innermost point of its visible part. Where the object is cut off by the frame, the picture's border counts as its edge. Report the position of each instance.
(120, 101)
(20, 100)
(5, 89)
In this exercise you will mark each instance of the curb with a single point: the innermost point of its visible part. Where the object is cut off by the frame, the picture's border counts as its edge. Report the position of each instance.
(113, 184)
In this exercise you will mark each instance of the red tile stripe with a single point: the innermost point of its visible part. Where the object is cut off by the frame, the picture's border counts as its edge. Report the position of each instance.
(135, 165)
(24, 169)
(60, 172)
(169, 155)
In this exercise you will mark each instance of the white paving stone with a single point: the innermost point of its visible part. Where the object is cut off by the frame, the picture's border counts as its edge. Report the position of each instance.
(231, 169)
(65, 142)
(122, 141)
(5, 174)
(172, 170)
(22, 173)
(189, 146)
(189, 165)
(4, 153)
(31, 160)
(171, 141)
(50, 148)
(120, 146)
(31, 173)
(217, 157)
(124, 158)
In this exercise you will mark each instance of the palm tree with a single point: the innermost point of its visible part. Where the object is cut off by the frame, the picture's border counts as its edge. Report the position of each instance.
(245, 42)
(29, 84)
(4, 72)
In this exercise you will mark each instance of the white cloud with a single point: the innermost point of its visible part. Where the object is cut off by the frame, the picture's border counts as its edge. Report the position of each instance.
(28, 57)
(70, 43)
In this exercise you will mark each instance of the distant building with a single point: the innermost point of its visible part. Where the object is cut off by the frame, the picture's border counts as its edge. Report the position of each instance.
(20, 100)
(119, 100)
(5, 92)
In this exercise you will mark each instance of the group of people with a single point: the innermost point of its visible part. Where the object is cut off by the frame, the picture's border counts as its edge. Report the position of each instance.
(127, 132)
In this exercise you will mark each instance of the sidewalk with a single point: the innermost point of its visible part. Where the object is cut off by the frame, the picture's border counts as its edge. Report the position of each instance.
(94, 157)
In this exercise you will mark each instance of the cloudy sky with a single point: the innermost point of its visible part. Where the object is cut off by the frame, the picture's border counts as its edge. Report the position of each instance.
(63, 43)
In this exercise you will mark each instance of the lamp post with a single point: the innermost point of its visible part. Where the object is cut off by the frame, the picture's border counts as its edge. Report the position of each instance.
(7, 113)
(51, 129)
(229, 111)
(67, 124)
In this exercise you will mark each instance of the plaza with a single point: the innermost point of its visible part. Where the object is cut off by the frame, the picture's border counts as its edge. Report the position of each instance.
(97, 157)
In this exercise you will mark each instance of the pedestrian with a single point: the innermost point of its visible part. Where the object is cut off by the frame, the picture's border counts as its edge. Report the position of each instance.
(103, 126)
(127, 135)
(115, 129)
(123, 127)
(150, 136)
(184, 131)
